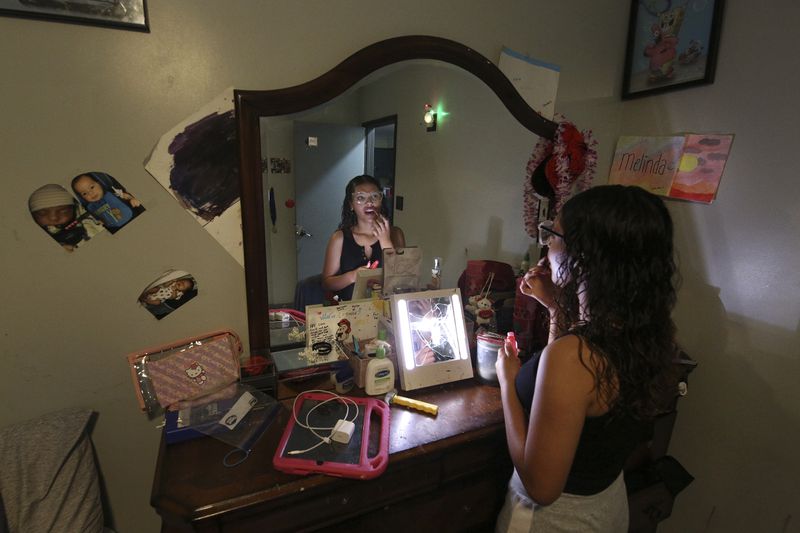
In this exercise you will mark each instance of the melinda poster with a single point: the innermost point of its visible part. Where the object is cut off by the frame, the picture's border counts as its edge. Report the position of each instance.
(687, 166)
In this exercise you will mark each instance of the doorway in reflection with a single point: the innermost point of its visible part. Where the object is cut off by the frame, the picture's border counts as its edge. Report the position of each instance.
(327, 156)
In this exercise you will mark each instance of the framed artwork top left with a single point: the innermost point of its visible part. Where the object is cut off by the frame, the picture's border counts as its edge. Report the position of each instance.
(121, 14)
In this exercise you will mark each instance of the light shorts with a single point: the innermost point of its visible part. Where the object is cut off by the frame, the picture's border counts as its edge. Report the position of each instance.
(604, 512)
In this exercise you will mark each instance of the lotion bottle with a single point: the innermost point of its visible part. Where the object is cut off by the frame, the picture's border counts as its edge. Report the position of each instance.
(436, 273)
(380, 373)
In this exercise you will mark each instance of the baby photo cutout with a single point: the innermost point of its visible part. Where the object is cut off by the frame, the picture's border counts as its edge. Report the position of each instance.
(168, 292)
(106, 199)
(62, 216)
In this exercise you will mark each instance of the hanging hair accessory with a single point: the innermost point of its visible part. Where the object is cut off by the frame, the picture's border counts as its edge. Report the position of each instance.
(556, 169)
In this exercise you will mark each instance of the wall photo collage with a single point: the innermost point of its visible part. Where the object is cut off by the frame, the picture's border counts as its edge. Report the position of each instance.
(97, 202)
(94, 202)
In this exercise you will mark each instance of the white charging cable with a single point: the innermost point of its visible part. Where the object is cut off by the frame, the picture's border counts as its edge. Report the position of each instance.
(343, 426)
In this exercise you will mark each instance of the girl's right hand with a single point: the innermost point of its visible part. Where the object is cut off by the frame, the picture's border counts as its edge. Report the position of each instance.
(538, 284)
(425, 356)
(383, 231)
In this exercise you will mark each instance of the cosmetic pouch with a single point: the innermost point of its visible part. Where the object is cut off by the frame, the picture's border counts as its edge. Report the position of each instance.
(184, 370)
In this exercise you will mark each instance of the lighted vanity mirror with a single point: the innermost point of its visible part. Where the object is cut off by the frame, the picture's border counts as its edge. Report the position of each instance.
(461, 183)
(430, 338)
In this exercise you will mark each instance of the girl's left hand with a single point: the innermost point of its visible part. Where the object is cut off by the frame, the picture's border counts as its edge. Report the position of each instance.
(507, 365)
(383, 231)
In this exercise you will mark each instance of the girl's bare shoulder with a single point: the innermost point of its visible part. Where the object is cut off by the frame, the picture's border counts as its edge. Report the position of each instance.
(568, 353)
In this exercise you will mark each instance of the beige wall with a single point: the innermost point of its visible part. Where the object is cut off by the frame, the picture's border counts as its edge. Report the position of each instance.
(80, 98)
(739, 310)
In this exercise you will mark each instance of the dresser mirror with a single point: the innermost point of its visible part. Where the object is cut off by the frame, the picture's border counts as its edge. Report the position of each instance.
(436, 171)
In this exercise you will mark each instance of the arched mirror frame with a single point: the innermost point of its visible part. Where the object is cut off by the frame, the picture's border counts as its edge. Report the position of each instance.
(251, 106)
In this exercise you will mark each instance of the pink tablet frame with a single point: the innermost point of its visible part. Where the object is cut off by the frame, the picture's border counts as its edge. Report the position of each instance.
(367, 468)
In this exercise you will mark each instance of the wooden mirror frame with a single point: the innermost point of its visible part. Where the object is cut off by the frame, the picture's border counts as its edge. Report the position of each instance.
(252, 105)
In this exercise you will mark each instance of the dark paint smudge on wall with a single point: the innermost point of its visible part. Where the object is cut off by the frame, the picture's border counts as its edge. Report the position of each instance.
(205, 172)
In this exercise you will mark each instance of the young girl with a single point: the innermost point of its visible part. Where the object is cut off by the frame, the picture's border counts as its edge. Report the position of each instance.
(575, 413)
(362, 236)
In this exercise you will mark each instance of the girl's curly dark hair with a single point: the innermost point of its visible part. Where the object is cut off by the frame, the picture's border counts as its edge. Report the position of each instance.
(348, 216)
(619, 257)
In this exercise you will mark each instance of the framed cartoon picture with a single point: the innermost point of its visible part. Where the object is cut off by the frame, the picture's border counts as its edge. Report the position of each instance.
(671, 45)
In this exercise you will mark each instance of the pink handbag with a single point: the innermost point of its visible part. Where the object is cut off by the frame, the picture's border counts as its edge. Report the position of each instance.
(185, 370)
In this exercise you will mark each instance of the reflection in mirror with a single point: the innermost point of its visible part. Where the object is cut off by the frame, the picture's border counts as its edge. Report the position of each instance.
(431, 338)
(432, 324)
(456, 190)
(461, 183)
(328, 145)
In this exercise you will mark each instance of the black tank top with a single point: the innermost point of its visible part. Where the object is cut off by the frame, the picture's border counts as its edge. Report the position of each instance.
(604, 445)
(352, 257)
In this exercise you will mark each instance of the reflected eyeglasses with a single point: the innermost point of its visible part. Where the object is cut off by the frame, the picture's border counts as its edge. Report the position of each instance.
(361, 197)
(546, 232)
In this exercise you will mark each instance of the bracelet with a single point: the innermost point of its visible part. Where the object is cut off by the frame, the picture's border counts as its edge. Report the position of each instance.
(322, 348)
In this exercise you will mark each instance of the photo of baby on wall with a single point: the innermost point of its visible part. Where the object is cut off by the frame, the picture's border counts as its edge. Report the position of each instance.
(167, 293)
(63, 218)
(106, 199)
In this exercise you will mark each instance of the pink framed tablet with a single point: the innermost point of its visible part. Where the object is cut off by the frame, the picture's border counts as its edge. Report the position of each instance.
(366, 456)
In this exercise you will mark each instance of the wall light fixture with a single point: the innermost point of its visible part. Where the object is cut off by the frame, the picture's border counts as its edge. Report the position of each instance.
(429, 118)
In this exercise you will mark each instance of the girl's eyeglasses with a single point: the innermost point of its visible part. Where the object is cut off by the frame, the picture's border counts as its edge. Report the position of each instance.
(546, 232)
(361, 197)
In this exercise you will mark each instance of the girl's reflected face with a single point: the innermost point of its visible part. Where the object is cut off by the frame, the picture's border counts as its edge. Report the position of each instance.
(366, 200)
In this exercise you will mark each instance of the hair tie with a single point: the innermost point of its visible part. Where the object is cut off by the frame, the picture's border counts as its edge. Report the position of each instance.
(568, 164)
(322, 347)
